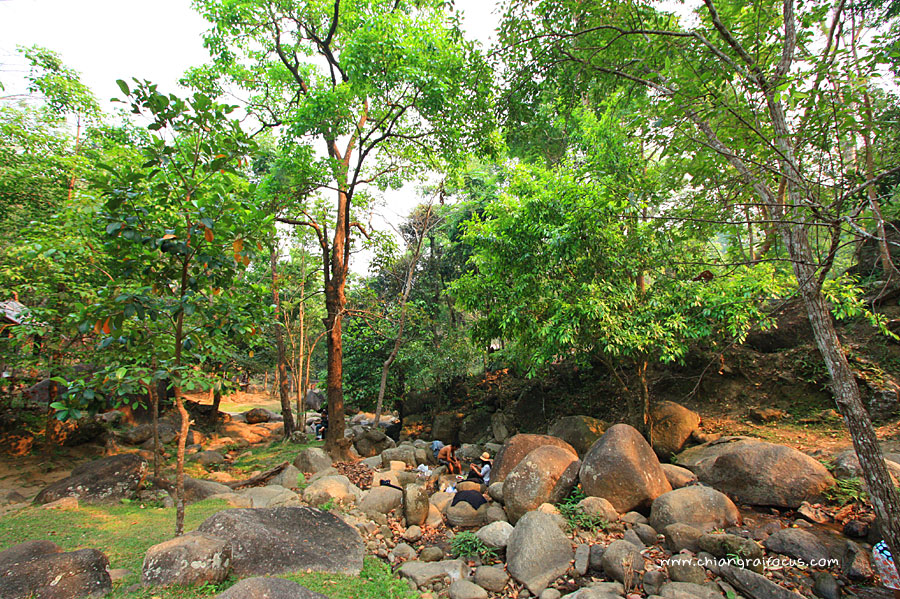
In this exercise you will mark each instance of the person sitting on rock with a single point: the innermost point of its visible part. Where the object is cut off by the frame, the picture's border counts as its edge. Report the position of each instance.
(480, 470)
(473, 498)
(322, 426)
(447, 457)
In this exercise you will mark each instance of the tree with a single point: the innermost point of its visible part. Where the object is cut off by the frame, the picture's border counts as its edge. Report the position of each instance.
(181, 226)
(384, 87)
(416, 251)
(562, 267)
(744, 88)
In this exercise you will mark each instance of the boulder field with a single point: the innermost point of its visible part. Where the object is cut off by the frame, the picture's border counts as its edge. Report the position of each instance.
(589, 512)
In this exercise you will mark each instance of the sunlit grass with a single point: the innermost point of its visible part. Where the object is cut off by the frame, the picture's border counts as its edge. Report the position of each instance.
(125, 532)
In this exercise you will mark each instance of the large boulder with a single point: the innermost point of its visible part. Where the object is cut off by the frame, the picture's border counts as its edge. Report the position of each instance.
(537, 551)
(198, 489)
(402, 453)
(337, 489)
(699, 506)
(423, 573)
(107, 480)
(415, 504)
(578, 431)
(381, 500)
(445, 426)
(41, 569)
(519, 446)
(799, 544)
(312, 460)
(495, 535)
(476, 427)
(546, 475)
(758, 473)
(263, 587)
(846, 465)
(671, 427)
(622, 468)
(258, 415)
(753, 585)
(371, 442)
(503, 426)
(287, 539)
(194, 558)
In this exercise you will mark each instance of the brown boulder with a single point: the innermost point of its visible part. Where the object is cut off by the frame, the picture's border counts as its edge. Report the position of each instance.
(107, 480)
(622, 468)
(519, 446)
(546, 475)
(41, 569)
(758, 473)
(578, 431)
(671, 428)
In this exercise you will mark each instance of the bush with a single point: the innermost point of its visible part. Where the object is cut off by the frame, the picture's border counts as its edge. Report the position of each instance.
(466, 544)
(575, 516)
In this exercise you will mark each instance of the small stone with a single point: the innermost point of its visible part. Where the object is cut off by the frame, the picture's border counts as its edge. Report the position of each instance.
(633, 538)
(683, 569)
(825, 586)
(403, 552)
(66, 503)
(413, 533)
(550, 594)
(681, 536)
(582, 559)
(646, 533)
(492, 578)
(634, 518)
(856, 529)
(431, 554)
(653, 581)
(463, 589)
(595, 560)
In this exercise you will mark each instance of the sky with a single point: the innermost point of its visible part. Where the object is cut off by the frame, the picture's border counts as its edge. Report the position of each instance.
(106, 40)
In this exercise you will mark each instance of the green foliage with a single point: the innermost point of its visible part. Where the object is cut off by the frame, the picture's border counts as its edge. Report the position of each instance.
(556, 260)
(576, 517)
(466, 545)
(847, 490)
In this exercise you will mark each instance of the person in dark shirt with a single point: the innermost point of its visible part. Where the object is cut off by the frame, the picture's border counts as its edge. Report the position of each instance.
(473, 498)
(323, 423)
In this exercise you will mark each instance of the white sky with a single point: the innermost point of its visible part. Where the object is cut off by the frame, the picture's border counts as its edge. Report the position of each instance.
(106, 40)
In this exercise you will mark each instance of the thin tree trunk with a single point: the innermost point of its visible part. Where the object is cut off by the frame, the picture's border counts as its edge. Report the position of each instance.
(398, 340)
(279, 345)
(216, 401)
(153, 392)
(182, 411)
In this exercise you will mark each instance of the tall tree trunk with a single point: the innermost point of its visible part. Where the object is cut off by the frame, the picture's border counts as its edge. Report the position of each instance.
(279, 345)
(845, 389)
(335, 301)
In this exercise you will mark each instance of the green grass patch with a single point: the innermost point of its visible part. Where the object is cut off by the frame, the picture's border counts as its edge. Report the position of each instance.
(122, 532)
(125, 532)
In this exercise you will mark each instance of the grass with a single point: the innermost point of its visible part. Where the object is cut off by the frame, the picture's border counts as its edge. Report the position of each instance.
(122, 532)
(125, 532)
